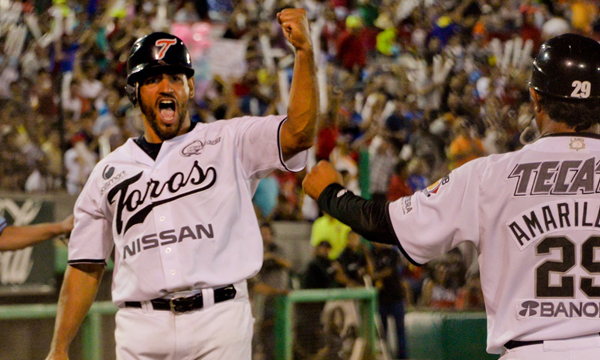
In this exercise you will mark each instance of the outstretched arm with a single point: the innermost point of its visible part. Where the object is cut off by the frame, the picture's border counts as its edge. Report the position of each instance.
(76, 297)
(18, 237)
(298, 131)
(368, 218)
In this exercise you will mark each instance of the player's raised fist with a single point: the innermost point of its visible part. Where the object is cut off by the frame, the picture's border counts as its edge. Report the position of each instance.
(319, 177)
(295, 28)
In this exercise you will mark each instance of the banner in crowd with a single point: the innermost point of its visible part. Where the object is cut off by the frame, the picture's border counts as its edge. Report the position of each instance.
(211, 54)
(228, 58)
(29, 271)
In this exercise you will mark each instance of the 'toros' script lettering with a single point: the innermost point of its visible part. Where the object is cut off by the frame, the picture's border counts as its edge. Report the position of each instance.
(135, 198)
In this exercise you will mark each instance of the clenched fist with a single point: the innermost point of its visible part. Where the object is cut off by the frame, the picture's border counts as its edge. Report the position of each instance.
(319, 177)
(295, 28)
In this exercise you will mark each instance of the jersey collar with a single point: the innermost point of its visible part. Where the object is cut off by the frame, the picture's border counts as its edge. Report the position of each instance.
(572, 134)
(141, 145)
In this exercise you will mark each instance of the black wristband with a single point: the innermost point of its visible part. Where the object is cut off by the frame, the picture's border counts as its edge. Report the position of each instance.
(369, 218)
(329, 193)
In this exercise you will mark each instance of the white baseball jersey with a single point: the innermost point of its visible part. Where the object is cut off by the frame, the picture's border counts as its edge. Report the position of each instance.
(185, 221)
(534, 216)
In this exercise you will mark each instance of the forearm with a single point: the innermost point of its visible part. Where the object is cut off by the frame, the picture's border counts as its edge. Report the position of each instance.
(18, 237)
(77, 294)
(344, 280)
(300, 125)
(341, 277)
(368, 218)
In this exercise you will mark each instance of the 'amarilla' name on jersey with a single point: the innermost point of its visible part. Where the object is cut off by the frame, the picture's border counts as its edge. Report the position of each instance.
(555, 216)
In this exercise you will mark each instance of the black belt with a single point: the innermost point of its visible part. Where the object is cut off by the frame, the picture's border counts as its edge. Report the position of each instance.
(515, 343)
(185, 304)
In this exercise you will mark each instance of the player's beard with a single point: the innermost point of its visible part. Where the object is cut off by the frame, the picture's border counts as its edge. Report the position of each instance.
(167, 131)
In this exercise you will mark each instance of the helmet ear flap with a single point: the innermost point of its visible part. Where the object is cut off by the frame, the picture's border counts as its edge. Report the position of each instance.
(132, 92)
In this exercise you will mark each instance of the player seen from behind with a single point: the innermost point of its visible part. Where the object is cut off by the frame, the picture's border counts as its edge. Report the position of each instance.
(533, 215)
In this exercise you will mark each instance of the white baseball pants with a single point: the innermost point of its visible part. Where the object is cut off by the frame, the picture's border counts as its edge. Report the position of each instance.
(215, 332)
(581, 348)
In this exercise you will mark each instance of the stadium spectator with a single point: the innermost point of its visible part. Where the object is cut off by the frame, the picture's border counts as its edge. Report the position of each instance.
(321, 273)
(382, 161)
(470, 296)
(464, 147)
(79, 162)
(355, 260)
(351, 51)
(326, 138)
(271, 281)
(399, 182)
(327, 228)
(266, 197)
(437, 292)
(392, 292)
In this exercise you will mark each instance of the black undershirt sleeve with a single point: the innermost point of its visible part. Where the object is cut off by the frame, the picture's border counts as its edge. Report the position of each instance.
(370, 219)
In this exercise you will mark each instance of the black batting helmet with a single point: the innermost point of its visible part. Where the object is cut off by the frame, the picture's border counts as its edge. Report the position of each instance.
(154, 53)
(568, 67)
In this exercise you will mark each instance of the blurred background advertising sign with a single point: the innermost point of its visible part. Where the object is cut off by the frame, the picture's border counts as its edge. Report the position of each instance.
(29, 271)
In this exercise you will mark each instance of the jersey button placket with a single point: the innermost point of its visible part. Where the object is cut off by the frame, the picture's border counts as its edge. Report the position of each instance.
(168, 222)
(168, 252)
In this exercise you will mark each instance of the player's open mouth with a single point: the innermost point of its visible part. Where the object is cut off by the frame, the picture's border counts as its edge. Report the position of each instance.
(167, 108)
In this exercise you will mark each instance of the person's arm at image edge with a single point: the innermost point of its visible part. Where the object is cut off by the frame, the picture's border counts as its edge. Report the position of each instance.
(19, 237)
(77, 294)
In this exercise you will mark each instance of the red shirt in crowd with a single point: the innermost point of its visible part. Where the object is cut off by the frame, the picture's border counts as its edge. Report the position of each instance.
(351, 50)
(326, 141)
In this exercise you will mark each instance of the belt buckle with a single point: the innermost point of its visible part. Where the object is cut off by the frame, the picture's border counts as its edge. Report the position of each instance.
(179, 306)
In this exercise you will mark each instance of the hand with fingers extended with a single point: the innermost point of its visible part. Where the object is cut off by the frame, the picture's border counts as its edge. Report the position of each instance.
(295, 28)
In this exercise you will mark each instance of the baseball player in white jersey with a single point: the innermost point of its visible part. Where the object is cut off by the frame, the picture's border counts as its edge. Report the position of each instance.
(18, 237)
(533, 214)
(176, 207)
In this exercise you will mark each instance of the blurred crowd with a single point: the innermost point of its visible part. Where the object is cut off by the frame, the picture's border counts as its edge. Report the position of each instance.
(409, 90)
(342, 259)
